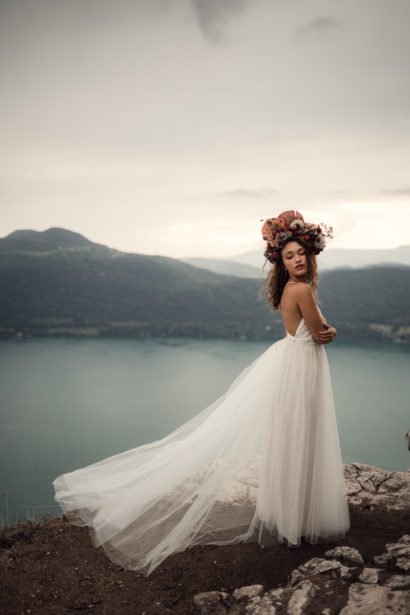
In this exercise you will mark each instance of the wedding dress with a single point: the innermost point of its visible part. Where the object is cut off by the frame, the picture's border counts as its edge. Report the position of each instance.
(262, 463)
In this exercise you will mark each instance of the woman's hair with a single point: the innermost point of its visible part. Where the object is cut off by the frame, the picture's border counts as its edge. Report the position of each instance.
(278, 276)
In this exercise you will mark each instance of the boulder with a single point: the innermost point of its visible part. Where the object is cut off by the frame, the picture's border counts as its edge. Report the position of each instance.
(364, 599)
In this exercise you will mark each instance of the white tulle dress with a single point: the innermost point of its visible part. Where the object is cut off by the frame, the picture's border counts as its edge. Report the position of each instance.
(262, 463)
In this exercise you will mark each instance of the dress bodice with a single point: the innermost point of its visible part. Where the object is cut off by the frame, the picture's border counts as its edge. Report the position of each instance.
(303, 334)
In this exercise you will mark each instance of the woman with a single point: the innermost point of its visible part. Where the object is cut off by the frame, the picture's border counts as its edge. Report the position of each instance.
(262, 463)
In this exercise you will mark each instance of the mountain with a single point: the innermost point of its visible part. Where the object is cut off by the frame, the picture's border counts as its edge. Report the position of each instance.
(329, 259)
(47, 241)
(58, 283)
(72, 288)
(225, 267)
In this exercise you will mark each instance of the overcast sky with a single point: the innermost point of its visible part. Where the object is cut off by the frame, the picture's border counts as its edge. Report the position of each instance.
(174, 126)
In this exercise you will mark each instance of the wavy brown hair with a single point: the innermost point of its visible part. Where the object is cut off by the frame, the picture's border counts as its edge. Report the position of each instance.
(278, 276)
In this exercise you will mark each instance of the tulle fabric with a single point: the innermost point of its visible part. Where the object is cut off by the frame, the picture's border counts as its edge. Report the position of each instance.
(262, 463)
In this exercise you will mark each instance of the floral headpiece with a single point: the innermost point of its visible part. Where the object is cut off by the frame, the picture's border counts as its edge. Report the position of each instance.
(289, 225)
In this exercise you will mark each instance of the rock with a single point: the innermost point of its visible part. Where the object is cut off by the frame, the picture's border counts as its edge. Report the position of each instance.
(369, 486)
(301, 597)
(247, 592)
(264, 607)
(295, 577)
(346, 555)
(407, 436)
(348, 574)
(398, 552)
(397, 549)
(370, 575)
(326, 612)
(367, 599)
(398, 581)
(318, 565)
(212, 603)
(254, 602)
(403, 563)
(383, 560)
(276, 594)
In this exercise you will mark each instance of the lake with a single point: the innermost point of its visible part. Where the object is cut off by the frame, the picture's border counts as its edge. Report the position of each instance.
(66, 403)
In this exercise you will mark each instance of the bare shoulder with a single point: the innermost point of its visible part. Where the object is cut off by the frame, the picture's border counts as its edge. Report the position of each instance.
(300, 289)
(301, 293)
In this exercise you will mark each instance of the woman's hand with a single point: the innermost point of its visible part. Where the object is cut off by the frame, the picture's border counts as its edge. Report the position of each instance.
(327, 336)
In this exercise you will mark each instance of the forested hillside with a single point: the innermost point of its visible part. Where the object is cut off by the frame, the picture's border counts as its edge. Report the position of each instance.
(59, 283)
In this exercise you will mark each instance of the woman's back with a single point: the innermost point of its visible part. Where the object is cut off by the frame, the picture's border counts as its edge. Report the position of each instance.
(298, 303)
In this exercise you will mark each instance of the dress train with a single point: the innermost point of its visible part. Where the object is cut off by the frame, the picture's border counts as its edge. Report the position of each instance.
(261, 463)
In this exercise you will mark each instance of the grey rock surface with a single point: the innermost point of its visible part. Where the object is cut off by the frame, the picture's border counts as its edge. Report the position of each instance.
(317, 565)
(370, 575)
(370, 486)
(367, 599)
(349, 574)
(398, 581)
(248, 592)
(301, 597)
(264, 607)
(403, 563)
(276, 595)
(212, 603)
(346, 555)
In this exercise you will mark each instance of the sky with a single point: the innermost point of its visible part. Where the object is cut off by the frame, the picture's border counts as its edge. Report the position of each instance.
(174, 127)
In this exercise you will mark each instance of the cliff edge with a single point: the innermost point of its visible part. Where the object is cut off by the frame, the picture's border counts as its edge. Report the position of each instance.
(51, 567)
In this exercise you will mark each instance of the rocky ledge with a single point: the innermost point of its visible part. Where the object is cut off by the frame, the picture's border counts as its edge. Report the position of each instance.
(380, 587)
(371, 487)
(50, 567)
(322, 584)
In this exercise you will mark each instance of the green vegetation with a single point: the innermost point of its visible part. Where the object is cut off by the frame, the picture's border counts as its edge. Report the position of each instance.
(84, 289)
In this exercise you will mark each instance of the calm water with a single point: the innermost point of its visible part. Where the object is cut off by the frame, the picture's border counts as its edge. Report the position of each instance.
(68, 403)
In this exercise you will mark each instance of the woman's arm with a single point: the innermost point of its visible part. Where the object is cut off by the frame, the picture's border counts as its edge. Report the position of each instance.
(305, 300)
(320, 329)
(327, 336)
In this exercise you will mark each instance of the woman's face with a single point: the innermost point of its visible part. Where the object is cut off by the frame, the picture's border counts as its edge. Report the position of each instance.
(294, 258)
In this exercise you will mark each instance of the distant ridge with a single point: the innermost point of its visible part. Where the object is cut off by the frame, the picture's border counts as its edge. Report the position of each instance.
(58, 283)
(335, 258)
(53, 238)
(226, 267)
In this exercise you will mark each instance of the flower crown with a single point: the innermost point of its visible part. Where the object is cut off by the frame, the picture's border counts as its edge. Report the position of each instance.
(289, 225)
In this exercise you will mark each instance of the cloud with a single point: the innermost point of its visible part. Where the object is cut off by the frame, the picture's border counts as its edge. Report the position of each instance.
(214, 15)
(243, 193)
(319, 27)
(289, 136)
(402, 191)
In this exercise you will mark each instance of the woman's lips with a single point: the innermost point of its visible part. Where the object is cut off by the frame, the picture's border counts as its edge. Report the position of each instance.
(300, 266)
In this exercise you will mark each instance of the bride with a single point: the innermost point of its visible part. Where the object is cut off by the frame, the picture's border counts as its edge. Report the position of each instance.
(261, 463)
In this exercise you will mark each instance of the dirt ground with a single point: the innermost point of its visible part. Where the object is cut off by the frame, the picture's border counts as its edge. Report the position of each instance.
(51, 567)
